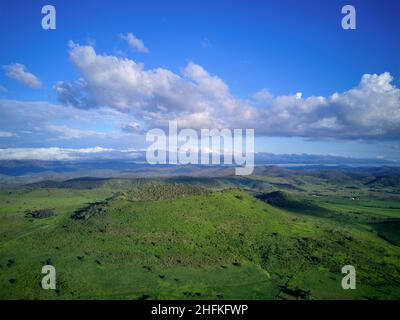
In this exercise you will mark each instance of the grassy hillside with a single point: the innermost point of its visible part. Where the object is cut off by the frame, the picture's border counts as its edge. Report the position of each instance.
(144, 239)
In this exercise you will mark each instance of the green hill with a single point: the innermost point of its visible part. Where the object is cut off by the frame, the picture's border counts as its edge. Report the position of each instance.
(170, 241)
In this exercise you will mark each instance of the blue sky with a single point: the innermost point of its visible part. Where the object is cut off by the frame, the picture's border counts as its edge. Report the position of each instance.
(224, 53)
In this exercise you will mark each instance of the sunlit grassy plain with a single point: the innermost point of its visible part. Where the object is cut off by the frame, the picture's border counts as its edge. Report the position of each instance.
(201, 238)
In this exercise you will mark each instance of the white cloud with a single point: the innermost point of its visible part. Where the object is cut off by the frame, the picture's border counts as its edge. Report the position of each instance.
(135, 42)
(6, 134)
(197, 99)
(154, 96)
(68, 154)
(371, 110)
(38, 123)
(19, 73)
(74, 133)
(133, 126)
(210, 85)
(263, 95)
(2, 88)
(48, 154)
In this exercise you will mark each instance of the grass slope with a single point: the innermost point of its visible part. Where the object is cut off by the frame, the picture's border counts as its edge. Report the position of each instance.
(168, 242)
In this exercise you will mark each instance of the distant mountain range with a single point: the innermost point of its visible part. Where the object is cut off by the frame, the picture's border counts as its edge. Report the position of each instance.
(26, 171)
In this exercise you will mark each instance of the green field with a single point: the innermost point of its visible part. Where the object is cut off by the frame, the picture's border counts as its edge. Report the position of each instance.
(261, 237)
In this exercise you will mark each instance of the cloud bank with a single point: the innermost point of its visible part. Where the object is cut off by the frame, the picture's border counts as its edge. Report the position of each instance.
(66, 154)
(197, 99)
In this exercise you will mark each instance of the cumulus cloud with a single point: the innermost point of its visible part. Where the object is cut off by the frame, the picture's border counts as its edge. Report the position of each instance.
(207, 84)
(154, 96)
(70, 94)
(134, 42)
(20, 73)
(371, 110)
(263, 95)
(198, 99)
